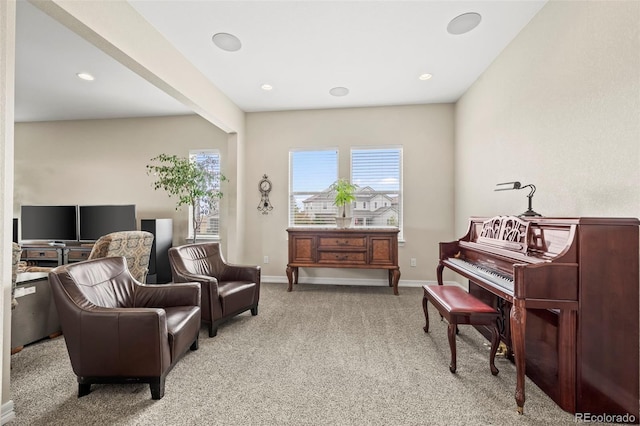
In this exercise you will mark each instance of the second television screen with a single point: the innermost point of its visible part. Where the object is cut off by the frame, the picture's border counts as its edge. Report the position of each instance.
(96, 221)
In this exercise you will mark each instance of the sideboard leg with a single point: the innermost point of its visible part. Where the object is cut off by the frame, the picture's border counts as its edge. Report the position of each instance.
(396, 278)
(290, 278)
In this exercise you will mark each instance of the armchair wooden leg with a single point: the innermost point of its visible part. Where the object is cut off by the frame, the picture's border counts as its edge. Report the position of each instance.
(84, 389)
(254, 310)
(213, 330)
(157, 387)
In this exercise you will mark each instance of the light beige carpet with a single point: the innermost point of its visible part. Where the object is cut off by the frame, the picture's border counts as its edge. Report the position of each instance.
(320, 355)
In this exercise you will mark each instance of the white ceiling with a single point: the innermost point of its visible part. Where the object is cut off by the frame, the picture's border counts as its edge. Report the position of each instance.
(303, 48)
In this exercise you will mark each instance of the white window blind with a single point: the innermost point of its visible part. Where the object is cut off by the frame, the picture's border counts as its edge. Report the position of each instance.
(311, 174)
(378, 174)
(210, 225)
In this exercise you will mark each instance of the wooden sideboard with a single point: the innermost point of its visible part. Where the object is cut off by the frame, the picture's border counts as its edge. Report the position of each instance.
(362, 248)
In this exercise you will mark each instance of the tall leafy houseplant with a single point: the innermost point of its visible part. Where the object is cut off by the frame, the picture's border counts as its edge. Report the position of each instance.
(344, 193)
(195, 184)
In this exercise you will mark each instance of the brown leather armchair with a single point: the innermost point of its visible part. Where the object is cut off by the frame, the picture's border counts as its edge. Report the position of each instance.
(118, 330)
(227, 290)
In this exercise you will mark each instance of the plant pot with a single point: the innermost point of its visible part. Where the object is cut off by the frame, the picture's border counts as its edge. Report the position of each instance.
(343, 222)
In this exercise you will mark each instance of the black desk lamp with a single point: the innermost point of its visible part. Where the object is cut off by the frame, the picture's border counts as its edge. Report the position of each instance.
(516, 185)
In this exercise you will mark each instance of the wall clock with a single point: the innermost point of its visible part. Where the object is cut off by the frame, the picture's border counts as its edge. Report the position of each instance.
(265, 187)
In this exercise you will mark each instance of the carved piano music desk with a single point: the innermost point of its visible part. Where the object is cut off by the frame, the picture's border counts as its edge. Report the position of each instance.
(567, 292)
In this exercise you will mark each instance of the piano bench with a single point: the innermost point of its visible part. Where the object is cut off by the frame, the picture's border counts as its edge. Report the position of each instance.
(457, 306)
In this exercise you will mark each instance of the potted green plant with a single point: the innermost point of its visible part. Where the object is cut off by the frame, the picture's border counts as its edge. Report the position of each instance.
(344, 193)
(195, 184)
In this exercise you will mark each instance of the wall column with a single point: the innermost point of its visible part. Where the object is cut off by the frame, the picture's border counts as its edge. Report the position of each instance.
(7, 78)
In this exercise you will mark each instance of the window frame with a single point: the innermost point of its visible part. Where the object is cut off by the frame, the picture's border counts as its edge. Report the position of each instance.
(205, 237)
(400, 192)
(324, 206)
(358, 222)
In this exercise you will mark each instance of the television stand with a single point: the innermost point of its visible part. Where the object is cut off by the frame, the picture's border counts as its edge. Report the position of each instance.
(46, 255)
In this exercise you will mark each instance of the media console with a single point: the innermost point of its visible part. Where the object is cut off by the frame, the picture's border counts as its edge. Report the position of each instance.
(362, 248)
(45, 255)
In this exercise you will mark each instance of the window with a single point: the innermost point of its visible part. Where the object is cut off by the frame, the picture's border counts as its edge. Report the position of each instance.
(311, 174)
(378, 174)
(210, 224)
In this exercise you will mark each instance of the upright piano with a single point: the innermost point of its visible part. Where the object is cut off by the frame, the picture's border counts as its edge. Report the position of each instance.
(567, 290)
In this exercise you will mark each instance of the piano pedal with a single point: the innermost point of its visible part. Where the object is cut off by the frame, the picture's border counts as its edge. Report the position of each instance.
(502, 351)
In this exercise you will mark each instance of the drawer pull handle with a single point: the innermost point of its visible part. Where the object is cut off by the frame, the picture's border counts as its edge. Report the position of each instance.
(342, 243)
(41, 254)
(338, 257)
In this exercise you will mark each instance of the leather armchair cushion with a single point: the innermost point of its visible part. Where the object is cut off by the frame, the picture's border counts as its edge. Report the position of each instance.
(234, 295)
(181, 327)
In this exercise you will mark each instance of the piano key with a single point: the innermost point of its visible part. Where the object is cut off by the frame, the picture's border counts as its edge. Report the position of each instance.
(484, 273)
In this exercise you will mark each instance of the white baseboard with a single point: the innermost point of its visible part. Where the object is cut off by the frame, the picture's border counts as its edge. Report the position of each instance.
(6, 412)
(281, 279)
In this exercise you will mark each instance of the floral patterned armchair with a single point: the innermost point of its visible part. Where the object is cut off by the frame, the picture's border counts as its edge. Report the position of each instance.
(135, 246)
(16, 251)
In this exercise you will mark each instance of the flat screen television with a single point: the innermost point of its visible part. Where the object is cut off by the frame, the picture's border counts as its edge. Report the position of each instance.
(96, 221)
(49, 223)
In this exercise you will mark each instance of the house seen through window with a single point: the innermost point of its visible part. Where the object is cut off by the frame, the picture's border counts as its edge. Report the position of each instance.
(377, 173)
(311, 174)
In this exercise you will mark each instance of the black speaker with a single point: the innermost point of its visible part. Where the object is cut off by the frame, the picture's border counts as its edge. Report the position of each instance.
(15, 230)
(159, 268)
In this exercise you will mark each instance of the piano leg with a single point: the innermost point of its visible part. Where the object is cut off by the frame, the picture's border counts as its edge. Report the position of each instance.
(495, 341)
(439, 273)
(518, 324)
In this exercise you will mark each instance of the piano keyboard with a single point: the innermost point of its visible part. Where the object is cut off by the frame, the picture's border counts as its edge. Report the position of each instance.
(484, 273)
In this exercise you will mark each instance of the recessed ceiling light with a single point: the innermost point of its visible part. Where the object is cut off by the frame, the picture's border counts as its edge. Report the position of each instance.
(227, 42)
(425, 76)
(267, 87)
(464, 23)
(85, 76)
(339, 91)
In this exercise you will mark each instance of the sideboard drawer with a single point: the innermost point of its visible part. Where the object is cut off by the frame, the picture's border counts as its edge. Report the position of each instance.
(342, 257)
(342, 242)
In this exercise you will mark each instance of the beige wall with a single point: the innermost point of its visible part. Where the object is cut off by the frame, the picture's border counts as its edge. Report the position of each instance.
(559, 108)
(103, 162)
(424, 131)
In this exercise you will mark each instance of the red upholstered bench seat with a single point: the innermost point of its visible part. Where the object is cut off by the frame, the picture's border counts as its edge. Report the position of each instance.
(457, 306)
